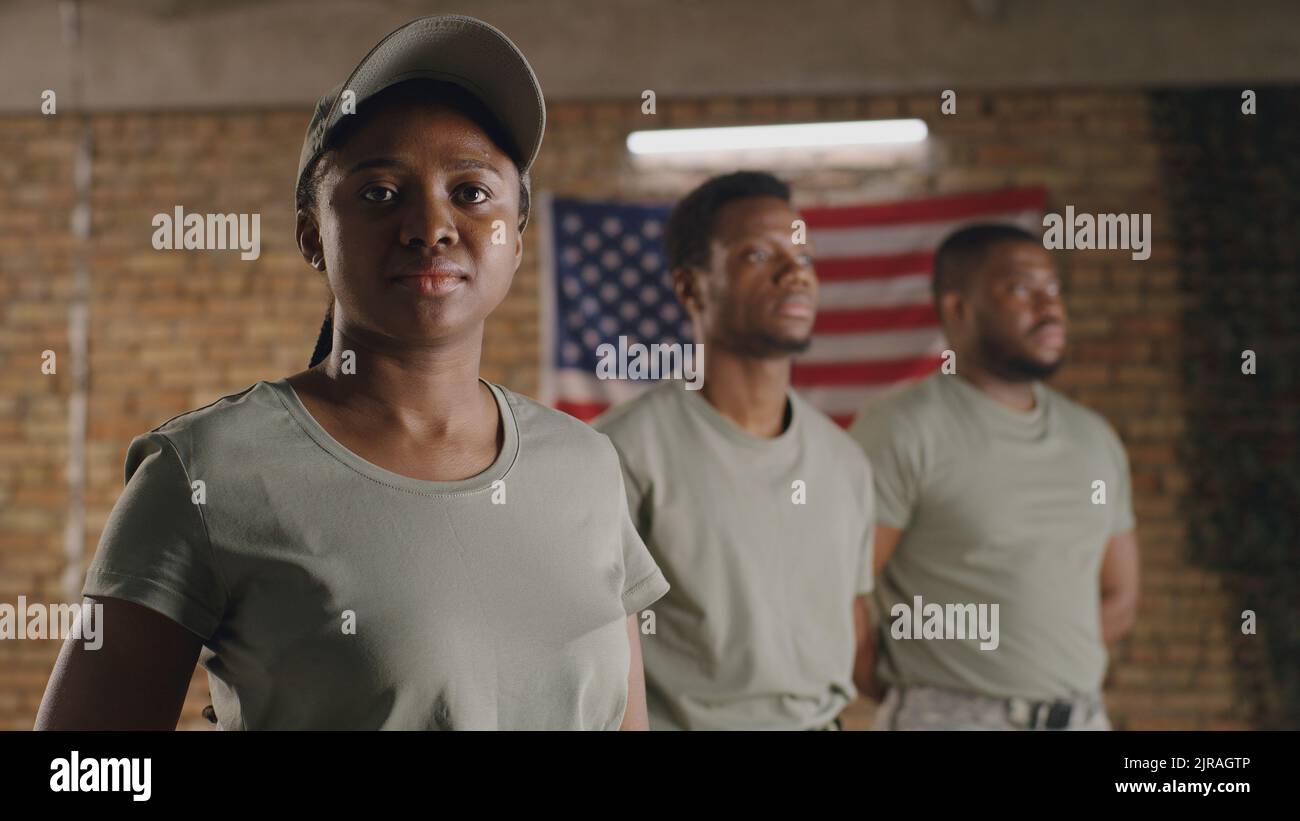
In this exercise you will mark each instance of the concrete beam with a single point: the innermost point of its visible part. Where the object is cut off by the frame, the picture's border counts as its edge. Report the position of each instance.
(205, 54)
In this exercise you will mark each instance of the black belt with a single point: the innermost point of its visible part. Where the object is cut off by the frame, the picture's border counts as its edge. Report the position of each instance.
(1041, 715)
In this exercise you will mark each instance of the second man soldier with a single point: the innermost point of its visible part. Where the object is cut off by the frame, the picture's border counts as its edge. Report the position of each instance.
(757, 507)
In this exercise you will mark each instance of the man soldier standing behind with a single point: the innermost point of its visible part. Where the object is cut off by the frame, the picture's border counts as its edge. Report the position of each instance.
(753, 503)
(994, 489)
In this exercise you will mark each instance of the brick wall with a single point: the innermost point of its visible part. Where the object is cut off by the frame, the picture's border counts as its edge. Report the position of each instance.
(170, 331)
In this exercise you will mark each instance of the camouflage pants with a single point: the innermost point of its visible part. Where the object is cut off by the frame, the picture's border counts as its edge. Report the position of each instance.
(833, 724)
(931, 708)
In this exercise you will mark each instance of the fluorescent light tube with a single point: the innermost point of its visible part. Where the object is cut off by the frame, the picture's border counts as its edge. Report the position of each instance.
(798, 135)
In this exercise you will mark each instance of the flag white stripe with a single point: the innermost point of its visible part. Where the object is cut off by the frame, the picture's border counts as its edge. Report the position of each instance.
(889, 292)
(847, 401)
(875, 346)
(574, 385)
(886, 240)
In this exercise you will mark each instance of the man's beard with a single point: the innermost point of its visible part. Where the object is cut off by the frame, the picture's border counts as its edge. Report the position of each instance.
(1013, 367)
(763, 345)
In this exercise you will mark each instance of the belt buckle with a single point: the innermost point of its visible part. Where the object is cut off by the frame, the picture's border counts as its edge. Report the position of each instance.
(1034, 715)
(1058, 715)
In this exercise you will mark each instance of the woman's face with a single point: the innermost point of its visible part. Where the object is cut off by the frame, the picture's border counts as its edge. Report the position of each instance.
(409, 208)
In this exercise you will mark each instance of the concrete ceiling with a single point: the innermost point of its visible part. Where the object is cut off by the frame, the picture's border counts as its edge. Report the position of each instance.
(180, 54)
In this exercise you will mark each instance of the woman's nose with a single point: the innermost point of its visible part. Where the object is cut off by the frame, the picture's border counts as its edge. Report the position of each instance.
(429, 219)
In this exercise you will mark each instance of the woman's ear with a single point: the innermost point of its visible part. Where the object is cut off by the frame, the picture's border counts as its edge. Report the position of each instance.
(309, 242)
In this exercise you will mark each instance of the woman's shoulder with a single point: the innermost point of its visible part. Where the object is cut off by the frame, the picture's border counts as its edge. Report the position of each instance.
(239, 418)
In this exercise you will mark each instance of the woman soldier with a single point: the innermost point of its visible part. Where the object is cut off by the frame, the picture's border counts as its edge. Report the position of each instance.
(384, 540)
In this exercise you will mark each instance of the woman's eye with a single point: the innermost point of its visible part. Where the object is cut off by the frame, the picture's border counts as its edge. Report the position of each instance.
(380, 191)
(474, 194)
(806, 260)
(756, 255)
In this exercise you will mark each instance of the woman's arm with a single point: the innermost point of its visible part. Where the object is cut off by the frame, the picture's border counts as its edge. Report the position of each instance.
(136, 680)
(635, 717)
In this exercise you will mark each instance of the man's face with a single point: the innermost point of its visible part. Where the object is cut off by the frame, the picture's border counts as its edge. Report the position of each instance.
(405, 228)
(1016, 318)
(759, 295)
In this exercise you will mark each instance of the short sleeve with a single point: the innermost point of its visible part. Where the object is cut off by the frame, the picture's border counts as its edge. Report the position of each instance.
(1122, 519)
(866, 573)
(895, 464)
(154, 550)
(644, 582)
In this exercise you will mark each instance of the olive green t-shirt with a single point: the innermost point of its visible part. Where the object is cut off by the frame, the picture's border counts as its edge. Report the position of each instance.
(332, 593)
(997, 506)
(766, 542)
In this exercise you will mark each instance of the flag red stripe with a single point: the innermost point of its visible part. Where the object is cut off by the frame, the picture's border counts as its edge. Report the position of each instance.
(864, 373)
(931, 209)
(864, 320)
(586, 411)
(841, 269)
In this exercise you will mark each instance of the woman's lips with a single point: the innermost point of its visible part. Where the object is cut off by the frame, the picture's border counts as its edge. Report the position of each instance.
(433, 279)
(431, 284)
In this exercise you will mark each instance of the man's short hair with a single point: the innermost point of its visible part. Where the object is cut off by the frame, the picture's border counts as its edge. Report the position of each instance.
(686, 238)
(964, 250)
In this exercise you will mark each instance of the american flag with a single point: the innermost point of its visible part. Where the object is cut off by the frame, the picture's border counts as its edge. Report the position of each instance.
(604, 275)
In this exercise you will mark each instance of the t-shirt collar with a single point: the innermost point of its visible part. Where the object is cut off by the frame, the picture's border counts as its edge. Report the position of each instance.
(1001, 418)
(474, 484)
(703, 409)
